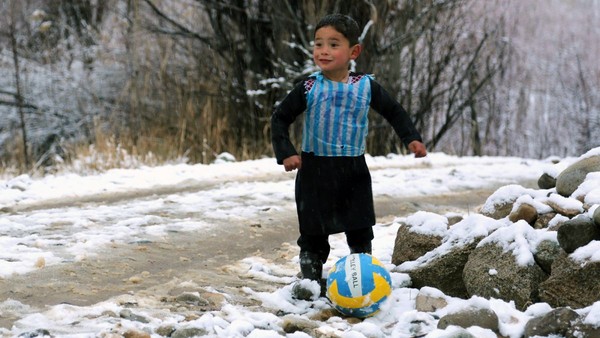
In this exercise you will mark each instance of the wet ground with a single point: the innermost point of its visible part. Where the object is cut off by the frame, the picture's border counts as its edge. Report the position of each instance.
(208, 256)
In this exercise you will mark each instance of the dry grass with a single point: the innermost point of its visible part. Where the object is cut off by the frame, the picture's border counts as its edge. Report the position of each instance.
(126, 152)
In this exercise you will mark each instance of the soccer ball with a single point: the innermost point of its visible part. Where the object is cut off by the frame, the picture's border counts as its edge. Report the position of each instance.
(358, 284)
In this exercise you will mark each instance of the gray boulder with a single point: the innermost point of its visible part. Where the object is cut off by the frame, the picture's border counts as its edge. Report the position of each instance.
(580, 329)
(596, 216)
(491, 272)
(571, 283)
(561, 322)
(410, 245)
(555, 322)
(569, 179)
(546, 181)
(576, 233)
(443, 272)
(546, 253)
(484, 318)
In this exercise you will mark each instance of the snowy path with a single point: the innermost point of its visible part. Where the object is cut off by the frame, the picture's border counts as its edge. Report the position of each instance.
(122, 232)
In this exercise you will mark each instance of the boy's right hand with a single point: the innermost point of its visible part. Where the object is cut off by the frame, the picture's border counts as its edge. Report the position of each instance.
(291, 163)
(418, 149)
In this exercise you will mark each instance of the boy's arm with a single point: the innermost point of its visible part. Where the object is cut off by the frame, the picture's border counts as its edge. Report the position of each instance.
(395, 114)
(284, 115)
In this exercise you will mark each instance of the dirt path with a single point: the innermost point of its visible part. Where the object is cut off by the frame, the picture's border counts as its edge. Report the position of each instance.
(201, 256)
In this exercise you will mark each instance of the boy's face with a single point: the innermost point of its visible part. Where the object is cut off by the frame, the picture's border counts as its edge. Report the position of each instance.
(332, 52)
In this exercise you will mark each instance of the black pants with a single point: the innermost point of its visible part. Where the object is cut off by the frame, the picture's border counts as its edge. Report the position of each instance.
(333, 195)
(319, 244)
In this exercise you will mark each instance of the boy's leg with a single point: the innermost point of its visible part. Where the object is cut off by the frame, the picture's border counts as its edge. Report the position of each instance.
(314, 251)
(359, 241)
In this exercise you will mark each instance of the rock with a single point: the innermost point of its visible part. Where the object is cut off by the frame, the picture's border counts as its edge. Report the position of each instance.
(189, 332)
(36, 333)
(556, 222)
(569, 179)
(191, 298)
(293, 324)
(580, 329)
(576, 233)
(425, 302)
(546, 253)
(499, 210)
(596, 216)
(453, 219)
(165, 330)
(543, 220)
(136, 334)
(411, 245)
(555, 322)
(484, 318)
(499, 204)
(129, 315)
(546, 181)
(492, 272)
(443, 272)
(215, 300)
(525, 212)
(324, 315)
(571, 283)
(568, 207)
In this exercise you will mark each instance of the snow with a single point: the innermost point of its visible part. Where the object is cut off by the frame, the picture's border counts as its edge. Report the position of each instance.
(520, 239)
(462, 233)
(590, 188)
(58, 230)
(566, 203)
(424, 222)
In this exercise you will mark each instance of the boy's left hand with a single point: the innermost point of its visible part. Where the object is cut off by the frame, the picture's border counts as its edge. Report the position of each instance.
(417, 148)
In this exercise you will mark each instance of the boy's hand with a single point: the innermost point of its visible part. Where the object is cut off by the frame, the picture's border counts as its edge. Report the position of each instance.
(417, 148)
(292, 162)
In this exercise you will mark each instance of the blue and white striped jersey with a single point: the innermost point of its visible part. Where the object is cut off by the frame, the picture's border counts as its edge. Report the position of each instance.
(336, 116)
(336, 119)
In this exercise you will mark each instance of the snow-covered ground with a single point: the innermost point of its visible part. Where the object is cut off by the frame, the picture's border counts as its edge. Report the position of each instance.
(62, 218)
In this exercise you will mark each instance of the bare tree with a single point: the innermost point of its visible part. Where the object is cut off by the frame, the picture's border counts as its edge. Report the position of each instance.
(198, 77)
(17, 74)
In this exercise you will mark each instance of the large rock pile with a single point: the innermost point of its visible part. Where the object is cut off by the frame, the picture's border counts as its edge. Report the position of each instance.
(524, 246)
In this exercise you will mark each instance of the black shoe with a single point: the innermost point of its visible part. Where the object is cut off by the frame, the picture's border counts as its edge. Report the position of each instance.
(305, 289)
(311, 269)
(311, 266)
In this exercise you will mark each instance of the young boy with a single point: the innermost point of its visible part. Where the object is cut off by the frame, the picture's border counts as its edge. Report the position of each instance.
(333, 184)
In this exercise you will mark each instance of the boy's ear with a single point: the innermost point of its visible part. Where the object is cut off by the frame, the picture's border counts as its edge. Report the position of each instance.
(355, 51)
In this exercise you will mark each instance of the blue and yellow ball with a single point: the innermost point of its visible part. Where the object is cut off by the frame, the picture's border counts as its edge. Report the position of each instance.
(358, 284)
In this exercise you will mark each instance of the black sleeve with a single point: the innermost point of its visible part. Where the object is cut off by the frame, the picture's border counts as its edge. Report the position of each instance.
(393, 112)
(284, 115)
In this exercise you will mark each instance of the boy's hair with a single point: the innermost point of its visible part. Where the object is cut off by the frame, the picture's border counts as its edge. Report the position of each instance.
(343, 24)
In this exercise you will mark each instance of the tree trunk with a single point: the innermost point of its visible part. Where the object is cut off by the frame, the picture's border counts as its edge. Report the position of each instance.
(19, 97)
